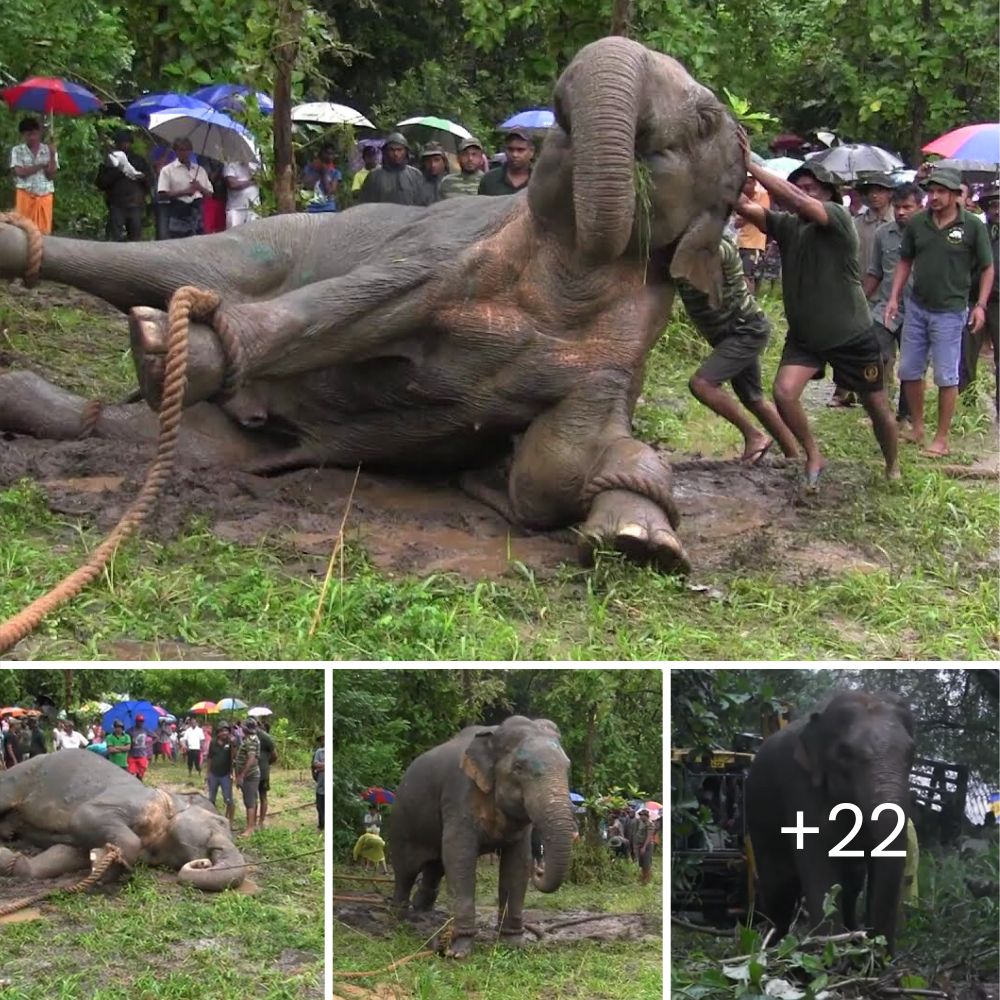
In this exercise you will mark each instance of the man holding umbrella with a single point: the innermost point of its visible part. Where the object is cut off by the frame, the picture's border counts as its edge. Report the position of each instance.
(34, 165)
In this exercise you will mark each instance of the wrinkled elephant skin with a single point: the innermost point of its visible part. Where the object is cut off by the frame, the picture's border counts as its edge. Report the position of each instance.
(451, 337)
(74, 801)
(857, 749)
(481, 792)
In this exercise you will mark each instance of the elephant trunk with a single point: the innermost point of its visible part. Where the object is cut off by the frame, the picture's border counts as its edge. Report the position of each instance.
(225, 870)
(598, 102)
(555, 822)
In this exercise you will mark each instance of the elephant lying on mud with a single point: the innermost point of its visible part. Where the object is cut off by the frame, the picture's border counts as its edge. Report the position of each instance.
(478, 793)
(440, 339)
(73, 801)
(859, 749)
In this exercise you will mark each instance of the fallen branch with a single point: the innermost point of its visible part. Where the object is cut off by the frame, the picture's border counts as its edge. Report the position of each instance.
(702, 929)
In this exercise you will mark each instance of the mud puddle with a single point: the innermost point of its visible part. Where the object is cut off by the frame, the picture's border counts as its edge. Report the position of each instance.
(545, 927)
(731, 515)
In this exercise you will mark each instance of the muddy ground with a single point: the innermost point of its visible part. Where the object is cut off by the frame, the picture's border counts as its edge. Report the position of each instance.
(732, 515)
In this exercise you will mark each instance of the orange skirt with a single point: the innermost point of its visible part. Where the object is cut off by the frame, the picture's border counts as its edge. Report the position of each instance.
(35, 207)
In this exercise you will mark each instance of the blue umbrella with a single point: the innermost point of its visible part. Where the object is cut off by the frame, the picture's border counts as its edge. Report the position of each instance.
(138, 111)
(575, 797)
(533, 118)
(378, 796)
(127, 711)
(231, 97)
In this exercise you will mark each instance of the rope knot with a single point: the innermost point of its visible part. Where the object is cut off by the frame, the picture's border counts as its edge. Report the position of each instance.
(33, 265)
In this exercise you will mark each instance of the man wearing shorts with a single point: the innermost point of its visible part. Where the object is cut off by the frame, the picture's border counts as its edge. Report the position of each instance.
(247, 768)
(738, 331)
(268, 756)
(827, 313)
(141, 748)
(942, 246)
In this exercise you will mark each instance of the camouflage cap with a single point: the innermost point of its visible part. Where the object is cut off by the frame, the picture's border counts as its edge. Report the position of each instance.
(432, 149)
(470, 143)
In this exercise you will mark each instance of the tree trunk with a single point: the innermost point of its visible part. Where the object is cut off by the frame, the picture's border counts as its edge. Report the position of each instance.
(621, 18)
(67, 688)
(284, 54)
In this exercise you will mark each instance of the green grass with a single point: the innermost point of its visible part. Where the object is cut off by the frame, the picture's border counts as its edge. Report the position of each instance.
(583, 970)
(931, 594)
(152, 938)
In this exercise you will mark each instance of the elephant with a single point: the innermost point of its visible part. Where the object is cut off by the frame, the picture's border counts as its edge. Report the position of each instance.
(475, 336)
(73, 801)
(858, 748)
(482, 791)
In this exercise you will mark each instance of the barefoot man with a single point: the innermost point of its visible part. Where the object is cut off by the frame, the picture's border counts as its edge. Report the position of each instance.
(942, 246)
(826, 309)
(738, 331)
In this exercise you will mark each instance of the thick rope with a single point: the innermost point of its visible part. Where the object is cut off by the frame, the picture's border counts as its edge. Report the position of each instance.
(186, 301)
(111, 856)
(645, 486)
(33, 266)
(90, 416)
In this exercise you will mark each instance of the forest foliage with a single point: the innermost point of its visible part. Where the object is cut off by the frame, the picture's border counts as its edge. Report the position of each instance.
(896, 72)
(611, 724)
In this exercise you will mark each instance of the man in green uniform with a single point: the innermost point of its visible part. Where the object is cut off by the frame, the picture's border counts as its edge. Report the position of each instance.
(119, 743)
(247, 767)
(466, 181)
(738, 331)
(942, 247)
(826, 309)
(515, 173)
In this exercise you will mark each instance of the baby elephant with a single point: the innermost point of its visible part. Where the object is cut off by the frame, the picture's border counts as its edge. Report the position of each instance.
(480, 792)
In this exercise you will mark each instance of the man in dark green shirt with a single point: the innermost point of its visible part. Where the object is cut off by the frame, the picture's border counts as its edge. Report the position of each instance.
(515, 173)
(941, 246)
(825, 306)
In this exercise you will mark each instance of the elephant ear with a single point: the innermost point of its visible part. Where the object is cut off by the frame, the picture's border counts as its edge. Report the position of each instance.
(697, 259)
(478, 761)
(808, 751)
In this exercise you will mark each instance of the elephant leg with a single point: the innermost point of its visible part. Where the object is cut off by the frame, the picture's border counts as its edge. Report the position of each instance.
(779, 894)
(853, 881)
(818, 877)
(430, 883)
(515, 865)
(565, 471)
(885, 884)
(51, 863)
(460, 855)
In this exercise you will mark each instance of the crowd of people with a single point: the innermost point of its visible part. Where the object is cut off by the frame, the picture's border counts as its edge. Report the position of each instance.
(236, 755)
(634, 834)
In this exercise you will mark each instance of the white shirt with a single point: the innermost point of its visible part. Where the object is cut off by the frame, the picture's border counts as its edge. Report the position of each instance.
(176, 176)
(72, 741)
(193, 737)
(244, 198)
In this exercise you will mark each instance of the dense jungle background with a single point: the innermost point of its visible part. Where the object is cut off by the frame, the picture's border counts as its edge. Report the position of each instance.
(948, 944)
(612, 730)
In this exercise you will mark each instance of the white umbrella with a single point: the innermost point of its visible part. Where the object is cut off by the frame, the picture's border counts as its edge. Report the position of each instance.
(782, 165)
(260, 710)
(425, 128)
(211, 133)
(325, 113)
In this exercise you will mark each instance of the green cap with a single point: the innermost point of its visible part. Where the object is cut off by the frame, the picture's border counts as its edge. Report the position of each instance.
(873, 178)
(432, 149)
(945, 177)
(820, 173)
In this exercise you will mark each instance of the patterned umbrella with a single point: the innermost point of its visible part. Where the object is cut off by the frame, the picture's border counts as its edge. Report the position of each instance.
(970, 142)
(230, 704)
(204, 708)
(378, 796)
(49, 95)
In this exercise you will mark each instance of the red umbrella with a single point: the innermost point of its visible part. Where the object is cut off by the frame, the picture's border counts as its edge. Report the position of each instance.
(970, 142)
(49, 95)
(378, 796)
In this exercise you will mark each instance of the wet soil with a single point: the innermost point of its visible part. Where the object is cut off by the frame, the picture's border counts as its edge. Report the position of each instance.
(542, 927)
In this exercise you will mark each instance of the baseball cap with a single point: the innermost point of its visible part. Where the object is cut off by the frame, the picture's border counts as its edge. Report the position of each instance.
(140, 718)
(516, 133)
(118, 724)
(946, 177)
(432, 149)
(470, 143)
(874, 178)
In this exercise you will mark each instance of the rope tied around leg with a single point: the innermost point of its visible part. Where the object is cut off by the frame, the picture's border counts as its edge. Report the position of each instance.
(645, 486)
(186, 301)
(89, 418)
(33, 266)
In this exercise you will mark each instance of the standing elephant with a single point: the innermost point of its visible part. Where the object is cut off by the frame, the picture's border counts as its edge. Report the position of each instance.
(482, 791)
(858, 748)
(445, 338)
(74, 801)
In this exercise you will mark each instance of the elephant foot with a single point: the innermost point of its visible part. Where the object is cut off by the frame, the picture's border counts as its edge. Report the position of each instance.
(512, 938)
(635, 526)
(460, 946)
(149, 332)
